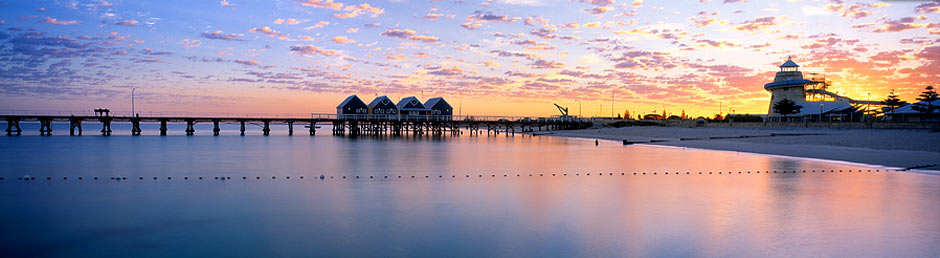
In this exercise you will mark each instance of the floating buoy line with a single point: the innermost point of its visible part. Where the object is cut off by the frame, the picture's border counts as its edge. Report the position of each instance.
(323, 177)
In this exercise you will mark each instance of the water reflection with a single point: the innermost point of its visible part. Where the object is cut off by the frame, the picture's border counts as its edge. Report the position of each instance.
(847, 214)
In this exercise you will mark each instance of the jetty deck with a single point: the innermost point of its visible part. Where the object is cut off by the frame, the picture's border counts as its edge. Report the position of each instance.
(342, 124)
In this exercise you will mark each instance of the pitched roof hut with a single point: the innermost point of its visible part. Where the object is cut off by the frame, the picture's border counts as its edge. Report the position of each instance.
(382, 105)
(352, 105)
(439, 107)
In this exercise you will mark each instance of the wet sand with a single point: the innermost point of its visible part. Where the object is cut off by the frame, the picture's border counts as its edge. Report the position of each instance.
(899, 148)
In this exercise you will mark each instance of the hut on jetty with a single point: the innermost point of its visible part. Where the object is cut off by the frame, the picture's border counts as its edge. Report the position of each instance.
(352, 105)
(439, 107)
(411, 107)
(382, 105)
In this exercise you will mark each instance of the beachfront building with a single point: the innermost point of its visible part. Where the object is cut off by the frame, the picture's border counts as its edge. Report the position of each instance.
(382, 105)
(922, 111)
(411, 108)
(439, 108)
(352, 105)
(810, 93)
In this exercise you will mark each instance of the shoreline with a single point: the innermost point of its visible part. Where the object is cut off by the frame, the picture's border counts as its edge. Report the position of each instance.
(904, 150)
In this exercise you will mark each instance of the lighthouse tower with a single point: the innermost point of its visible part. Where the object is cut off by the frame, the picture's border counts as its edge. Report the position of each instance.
(788, 84)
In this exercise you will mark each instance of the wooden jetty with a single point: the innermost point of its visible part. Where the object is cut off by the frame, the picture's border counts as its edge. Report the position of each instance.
(342, 124)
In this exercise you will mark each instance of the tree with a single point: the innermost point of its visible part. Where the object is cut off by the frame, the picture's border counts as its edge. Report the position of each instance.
(928, 96)
(893, 101)
(786, 107)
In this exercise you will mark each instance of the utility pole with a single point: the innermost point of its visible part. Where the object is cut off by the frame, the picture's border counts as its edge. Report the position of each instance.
(611, 103)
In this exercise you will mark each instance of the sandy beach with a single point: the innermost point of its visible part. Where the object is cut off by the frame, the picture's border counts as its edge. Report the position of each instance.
(900, 148)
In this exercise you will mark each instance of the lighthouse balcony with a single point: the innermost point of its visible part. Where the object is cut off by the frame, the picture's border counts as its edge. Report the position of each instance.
(788, 83)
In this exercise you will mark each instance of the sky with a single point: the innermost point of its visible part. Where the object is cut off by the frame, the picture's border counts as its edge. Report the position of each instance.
(499, 57)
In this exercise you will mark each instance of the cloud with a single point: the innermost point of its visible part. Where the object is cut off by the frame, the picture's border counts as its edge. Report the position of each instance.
(758, 25)
(50, 20)
(288, 21)
(319, 24)
(221, 36)
(504, 53)
(247, 62)
(409, 35)
(544, 64)
(343, 40)
(488, 17)
(716, 43)
(544, 33)
(704, 19)
(599, 2)
(322, 4)
(269, 32)
(906, 23)
(470, 26)
(129, 23)
(928, 7)
(353, 11)
(447, 71)
(313, 50)
(598, 9)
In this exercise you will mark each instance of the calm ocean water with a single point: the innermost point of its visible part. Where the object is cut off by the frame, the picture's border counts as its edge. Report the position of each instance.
(465, 199)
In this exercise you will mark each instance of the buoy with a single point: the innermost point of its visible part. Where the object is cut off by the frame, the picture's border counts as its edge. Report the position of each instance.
(301, 177)
(244, 178)
(322, 177)
(370, 177)
(200, 178)
(256, 178)
(140, 178)
(386, 176)
(344, 177)
(186, 178)
(65, 178)
(357, 177)
(288, 177)
(79, 178)
(96, 178)
(169, 178)
(399, 176)
(154, 178)
(48, 178)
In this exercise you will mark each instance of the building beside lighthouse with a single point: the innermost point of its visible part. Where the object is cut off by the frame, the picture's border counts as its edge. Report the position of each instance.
(810, 92)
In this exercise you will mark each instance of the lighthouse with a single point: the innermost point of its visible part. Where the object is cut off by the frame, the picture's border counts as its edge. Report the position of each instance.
(788, 84)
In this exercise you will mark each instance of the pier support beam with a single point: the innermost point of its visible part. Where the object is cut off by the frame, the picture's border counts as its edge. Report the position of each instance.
(105, 125)
(135, 122)
(190, 130)
(267, 127)
(313, 127)
(243, 126)
(290, 127)
(163, 127)
(13, 126)
(215, 127)
(75, 122)
(45, 126)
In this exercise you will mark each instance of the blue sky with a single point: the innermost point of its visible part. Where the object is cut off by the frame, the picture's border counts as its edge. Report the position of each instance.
(496, 57)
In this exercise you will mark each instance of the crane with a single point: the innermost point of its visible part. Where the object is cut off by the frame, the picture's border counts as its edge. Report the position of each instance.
(563, 110)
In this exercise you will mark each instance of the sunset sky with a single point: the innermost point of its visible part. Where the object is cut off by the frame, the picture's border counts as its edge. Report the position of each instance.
(501, 57)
